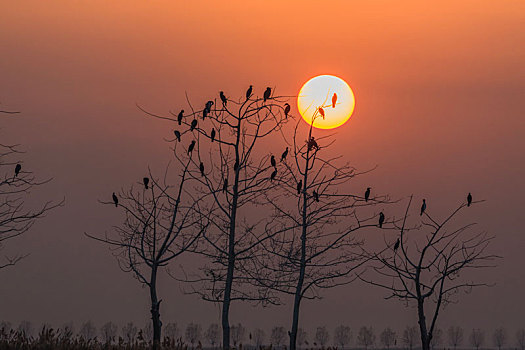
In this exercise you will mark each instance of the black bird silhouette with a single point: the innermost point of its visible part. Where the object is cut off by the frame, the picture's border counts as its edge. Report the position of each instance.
(316, 196)
(299, 186)
(285, 154)
(223, 98)
(250, 335)
(201, 168)
(367, 194)
(267, 93)
(272, 161)
(212, 135)
(381, 219)
(236, 165)
(209, 104)
(312, 144)
(396, 246)
(179, 117)
(191, 147)
(146, 182)
(286, 109)
(423, 207)
(115, 199)
(204, 113)
(225, 185)
(248, 95)
(193, 124)
(334, 100)
(18, 167)
(321, 112)
(274, 174)
(177, 134)
(469, 199)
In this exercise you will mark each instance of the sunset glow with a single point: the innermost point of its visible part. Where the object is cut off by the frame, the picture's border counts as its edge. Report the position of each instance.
(319, 92)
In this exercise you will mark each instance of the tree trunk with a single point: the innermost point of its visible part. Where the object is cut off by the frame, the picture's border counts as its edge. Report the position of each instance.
(155, 309)
(425, 338)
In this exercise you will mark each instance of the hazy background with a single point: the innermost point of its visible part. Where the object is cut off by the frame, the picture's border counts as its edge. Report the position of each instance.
(440, 102)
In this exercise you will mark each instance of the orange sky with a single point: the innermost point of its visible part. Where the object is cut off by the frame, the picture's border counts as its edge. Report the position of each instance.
(440, 99)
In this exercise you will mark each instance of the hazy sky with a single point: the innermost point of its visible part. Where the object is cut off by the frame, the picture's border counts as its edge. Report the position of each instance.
(440, 102)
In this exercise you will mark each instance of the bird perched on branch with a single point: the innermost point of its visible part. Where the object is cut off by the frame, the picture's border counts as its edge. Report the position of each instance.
(209, 104)
(223, 98)
(249, 92)
(177, 134)
(312, 144)
(423, 207)
(204, 113)
(201, 168)
(191, 147)
(381, 219)
(367, 194)
(469, 199)
(272, 161)
(180, 116)
(285, 154)
(225, 185)
(193, 124)
(273, 175)
(115, 199)
(18, 167)
(396, 246)
(146, 182)
(299, 186)
(212, 135)
(267, 94)
(286, 109)
(334, 100)
(316, 196)
(321, 112)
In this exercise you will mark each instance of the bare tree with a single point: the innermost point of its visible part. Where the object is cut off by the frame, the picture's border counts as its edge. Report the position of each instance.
(16, 184)
(366, 337)
(129, 332)
(238, 333)
(302, 337)
(322, 336)
(193, 333)
(88, 331)
(388, 337)
(424, 263)
(437, 338)
(499, 337)
(277, 336)
(477, 338)
(159, 225)
(212, 335)
(258, 337)
(410, 336)
(520, 338)
(224, 143)
(315, 245)
(342, 336)
(108, 332)
(455, 336)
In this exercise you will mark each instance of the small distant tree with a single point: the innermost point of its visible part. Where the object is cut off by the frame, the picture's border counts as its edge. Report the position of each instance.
(500, 337)
(212, 335)
(366, 337)
(277, 336)
(437, 338)
(302, 337)
(258, 337)
(410, 337)
(455, 336)
(108, 332)
(25, 328)
(193, 333)
(237, 333)
(88, 331)
(342, 336)
(171, 330)
(520, 338)
(387, 337)
(322, 336)
(477, 338)
(129, 332)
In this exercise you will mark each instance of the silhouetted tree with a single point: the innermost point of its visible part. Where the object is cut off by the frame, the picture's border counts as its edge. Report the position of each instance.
(231, 167)
(159, 225)
(316, 222)
(212, 334)
(477, 338)
(499, 337)
(277, 336)
(455, 336)
(258, 337)
(366, 337)
(520, 338)
(409, 336)
(193, 333)
(342, 336)
(426, 268)
(388, 337)
(322, 336)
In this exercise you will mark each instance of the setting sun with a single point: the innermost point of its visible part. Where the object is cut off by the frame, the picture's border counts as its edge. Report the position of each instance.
(333, 95)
